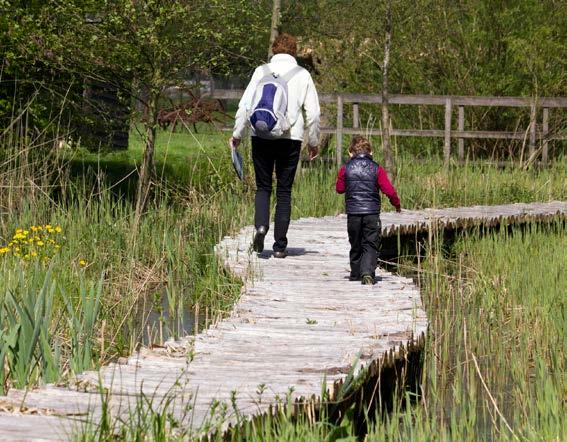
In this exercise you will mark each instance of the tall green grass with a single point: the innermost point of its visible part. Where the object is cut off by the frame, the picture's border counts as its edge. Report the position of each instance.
(170, 261)
(494, 366)
(426, 184)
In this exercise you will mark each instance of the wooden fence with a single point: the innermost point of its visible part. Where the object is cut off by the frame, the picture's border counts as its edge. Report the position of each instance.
(532, 134)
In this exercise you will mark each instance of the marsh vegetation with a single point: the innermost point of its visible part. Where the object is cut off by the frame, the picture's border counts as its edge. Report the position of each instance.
(495, 352)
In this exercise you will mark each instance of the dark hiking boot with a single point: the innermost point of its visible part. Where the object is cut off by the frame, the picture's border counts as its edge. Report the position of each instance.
(280, 254)
(354, 278)
(258, 244)
(367, 280)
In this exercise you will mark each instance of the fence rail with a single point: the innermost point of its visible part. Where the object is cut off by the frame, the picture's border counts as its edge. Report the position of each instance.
(531, 134)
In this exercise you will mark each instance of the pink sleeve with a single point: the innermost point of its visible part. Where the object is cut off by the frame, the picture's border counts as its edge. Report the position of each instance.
(386, 187)
(340, 186)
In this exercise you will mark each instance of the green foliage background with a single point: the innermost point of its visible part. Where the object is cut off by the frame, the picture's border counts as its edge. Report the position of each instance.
(478, 47)
(51, 50)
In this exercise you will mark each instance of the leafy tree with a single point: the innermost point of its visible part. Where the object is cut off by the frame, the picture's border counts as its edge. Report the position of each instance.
(143, 47)
(27, 85)
(482, 47)
(274, 27)
(477, 47)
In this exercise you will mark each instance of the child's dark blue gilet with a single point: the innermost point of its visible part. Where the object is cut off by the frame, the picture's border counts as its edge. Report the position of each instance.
(362, 193)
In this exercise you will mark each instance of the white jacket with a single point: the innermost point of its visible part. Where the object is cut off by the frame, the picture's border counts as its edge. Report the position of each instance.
(302, 95)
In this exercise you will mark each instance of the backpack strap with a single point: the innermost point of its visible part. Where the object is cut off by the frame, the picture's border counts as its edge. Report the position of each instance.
(293, 71)
(265, 70)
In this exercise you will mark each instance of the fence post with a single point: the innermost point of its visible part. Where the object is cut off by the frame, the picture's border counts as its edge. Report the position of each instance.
(545, 130)
(355, 117)
(447, 145)
(533, 122)
(460, 128)
(339, 136)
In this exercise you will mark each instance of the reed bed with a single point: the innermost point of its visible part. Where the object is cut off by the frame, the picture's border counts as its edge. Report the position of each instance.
(99, 285)
(494, 365)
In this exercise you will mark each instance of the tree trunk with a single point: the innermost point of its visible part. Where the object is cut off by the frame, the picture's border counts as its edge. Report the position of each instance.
(274, 30)
(147, 167)
(385, 110)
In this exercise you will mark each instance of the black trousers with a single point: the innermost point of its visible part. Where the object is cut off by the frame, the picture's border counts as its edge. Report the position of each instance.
(283, 156)
(364, 237)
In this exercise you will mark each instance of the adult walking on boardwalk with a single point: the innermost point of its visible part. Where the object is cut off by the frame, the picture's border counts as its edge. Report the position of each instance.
(273, 107)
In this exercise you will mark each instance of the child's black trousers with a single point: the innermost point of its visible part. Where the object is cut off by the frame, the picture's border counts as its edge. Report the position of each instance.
(364, 237)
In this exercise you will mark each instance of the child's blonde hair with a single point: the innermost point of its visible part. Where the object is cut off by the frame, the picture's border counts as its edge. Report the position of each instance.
(360, 145)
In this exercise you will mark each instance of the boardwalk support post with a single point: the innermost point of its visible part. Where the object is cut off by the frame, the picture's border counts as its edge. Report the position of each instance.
(447, 144)
(533, 122)
(339, 140)
(460, 128)
(545, 134)
(355, 117)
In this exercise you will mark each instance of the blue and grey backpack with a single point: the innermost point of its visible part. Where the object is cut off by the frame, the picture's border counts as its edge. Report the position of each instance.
(268, 115)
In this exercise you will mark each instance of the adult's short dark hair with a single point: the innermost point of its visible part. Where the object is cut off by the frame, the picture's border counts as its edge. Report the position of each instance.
(285, 44)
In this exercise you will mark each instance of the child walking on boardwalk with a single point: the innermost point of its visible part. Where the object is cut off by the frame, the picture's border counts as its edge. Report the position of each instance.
(361, 179)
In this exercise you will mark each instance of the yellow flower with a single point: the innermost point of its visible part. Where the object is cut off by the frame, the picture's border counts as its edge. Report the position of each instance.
(58, 229)
(40, 243)
(83, 263)
(19, 231)
(33, 253)
(33, 228)
(4, 250)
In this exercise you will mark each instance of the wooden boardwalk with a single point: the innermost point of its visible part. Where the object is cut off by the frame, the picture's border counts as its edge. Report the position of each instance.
(298, 322)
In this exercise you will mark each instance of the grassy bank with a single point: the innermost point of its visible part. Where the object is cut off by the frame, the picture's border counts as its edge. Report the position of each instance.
(102, 281)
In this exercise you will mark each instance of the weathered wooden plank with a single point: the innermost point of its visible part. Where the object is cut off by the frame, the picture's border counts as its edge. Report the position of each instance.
(37, 428)
(434, 100)
(355, 116)
(339, 130)
(461, 128)
(545, 135)
(447, 134)
(440, 133)
(533, 128)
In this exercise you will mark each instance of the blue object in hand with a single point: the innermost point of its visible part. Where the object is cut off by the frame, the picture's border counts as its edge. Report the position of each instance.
(237, 163)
